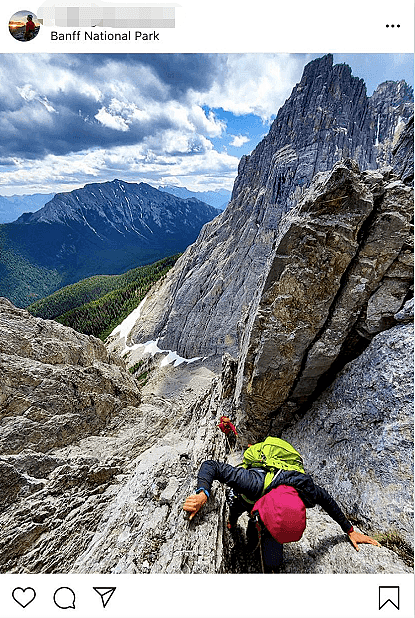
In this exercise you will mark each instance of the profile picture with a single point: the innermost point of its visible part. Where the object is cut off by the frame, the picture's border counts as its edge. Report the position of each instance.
(24, 25)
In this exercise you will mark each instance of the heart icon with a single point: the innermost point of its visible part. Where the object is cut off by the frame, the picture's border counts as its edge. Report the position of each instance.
(23, 596)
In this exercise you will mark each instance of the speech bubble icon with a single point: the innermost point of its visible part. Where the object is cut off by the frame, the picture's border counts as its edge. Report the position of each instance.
(23, 596)
(64, 598)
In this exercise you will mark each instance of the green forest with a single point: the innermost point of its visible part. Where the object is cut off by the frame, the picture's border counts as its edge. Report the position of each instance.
(95, 306)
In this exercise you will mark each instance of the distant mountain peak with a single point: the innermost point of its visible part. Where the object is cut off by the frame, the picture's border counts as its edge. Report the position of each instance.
(101, 228)
(218, 198)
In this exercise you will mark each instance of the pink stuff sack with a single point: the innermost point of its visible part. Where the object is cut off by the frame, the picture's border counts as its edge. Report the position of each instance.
(283, 513)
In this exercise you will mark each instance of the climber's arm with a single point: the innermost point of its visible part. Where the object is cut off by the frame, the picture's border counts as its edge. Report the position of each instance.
(332, 508)
(194, 503)
(249, 482)
(358, 537)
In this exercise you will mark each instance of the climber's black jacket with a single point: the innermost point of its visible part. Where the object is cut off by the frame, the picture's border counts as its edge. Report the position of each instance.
(250, 483)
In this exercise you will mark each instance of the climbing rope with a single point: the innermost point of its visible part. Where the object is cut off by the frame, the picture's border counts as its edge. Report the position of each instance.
(258, 527)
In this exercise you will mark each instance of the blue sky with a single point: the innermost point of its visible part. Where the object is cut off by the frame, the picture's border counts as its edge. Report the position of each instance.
(183, 119)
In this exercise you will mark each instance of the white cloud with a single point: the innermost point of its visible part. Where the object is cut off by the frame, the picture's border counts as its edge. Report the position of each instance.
(110, 120)
(90, 90)
(206, 169)
(208, 124)
(254, 84)
(174, 129)
(239, 140)
(191, 119)
(28, 93)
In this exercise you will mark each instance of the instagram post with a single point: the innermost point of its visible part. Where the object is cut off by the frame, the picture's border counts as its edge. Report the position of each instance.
(206, 310)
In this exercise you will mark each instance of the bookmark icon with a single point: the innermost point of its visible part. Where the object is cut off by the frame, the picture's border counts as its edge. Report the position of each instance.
(105, 594)
(388, 594)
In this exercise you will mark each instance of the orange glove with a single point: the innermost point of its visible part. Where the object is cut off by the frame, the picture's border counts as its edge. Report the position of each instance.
(357, 537)
(194, 503)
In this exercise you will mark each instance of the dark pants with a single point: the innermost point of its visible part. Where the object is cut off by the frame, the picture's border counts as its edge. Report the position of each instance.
(271, 552)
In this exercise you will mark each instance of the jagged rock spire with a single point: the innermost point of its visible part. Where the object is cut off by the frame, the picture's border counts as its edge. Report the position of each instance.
(202, 307)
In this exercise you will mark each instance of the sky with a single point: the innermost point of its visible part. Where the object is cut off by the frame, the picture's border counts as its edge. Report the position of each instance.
(67, 120)
(22, 16)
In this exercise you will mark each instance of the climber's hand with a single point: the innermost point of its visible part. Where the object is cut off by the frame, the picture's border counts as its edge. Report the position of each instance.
(194, 503)
(357, 537)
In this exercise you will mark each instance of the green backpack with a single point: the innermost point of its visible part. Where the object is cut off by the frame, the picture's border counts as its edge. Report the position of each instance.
(273, 455)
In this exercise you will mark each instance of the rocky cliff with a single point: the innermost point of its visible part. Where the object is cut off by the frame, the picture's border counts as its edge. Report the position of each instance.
(340, 270)
(327, 118)
(94, 488)
(94, 467)
(369, 467)
(294, 308)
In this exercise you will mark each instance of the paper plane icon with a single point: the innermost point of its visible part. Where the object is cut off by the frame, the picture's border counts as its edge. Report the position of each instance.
(105, 594)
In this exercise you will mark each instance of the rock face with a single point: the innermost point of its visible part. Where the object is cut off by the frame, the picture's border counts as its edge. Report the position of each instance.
(156, 537)
(109, 500)
(328, 117)
(403, 165)
(331, 282)
(85, 451)
(56, 385)
(358, 436)
(392, 108)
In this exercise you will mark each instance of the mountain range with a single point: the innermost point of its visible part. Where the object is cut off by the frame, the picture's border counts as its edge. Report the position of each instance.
(102, 228)
(218, 198)
(11, 207)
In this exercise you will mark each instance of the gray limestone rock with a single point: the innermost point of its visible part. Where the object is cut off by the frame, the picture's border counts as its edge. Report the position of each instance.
(404, 165)
(357, 438)
(333, 271)
(156, 535)
(11, 483)
(110, 500)
(406, 314)
(95, 469)
(47, 341)
(324, 548)
(56, 385)
(391, 109)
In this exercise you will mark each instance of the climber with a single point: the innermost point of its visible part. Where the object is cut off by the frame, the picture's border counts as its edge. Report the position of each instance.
(30, 28)
(229, 430)
(226, 426)
(279, 516)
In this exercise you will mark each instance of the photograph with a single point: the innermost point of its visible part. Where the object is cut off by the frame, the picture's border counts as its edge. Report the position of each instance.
(206, 319)
(23, 26)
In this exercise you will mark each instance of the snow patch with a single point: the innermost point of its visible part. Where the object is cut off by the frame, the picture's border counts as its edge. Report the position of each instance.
(126, 325)
(377, 132)
(150, 347)
(399, 124)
